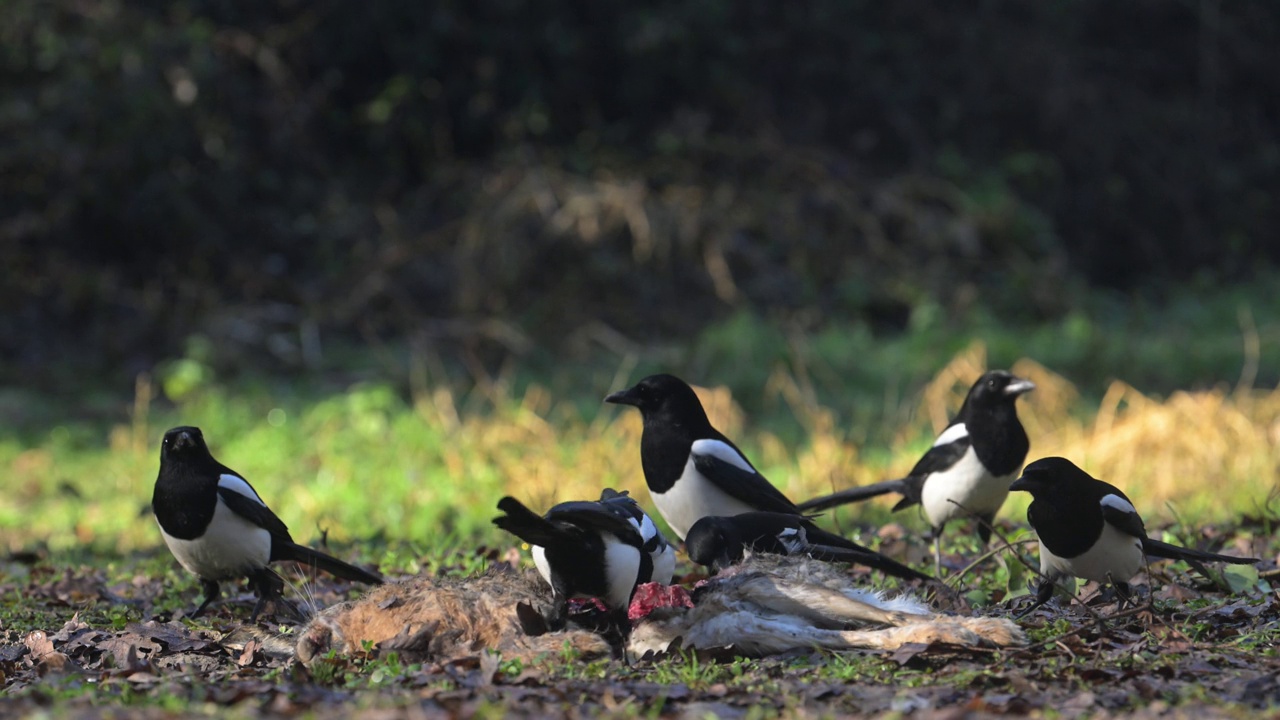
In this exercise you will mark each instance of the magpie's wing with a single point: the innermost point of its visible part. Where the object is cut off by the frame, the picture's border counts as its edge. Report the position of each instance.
(598, 517)
(1118, 512)
(622, 505)
(770, 532)
(947, 450)
(236, 493)
(725, 467)
(625, 506)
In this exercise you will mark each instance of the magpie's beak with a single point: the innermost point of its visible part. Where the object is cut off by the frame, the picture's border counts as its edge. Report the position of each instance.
(1019, 386)
(1024, 484)
(183, 440)
(623, 397)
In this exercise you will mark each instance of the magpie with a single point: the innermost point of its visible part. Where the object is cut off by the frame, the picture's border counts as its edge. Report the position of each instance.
(1089, 529)
(693, 471)
(218, 528)
(583, 549)
(660, 551)
(719, 542)
(969, 467)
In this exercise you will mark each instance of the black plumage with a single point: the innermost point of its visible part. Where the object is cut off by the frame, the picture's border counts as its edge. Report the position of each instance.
(693, 471)
(1089, 529)
(969, 467)
(217, 526)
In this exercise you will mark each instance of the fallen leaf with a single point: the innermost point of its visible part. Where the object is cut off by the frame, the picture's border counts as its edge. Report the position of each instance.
(251, 650)
(906, 652)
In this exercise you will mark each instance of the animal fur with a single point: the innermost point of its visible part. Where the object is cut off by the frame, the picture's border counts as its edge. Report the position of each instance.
(770, 604)
(443, 617)
(762, 606)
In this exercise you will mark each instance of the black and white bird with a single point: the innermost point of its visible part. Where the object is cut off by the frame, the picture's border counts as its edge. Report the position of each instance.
(719, 542)
(693, 471)
(218, 528)
(655, 543)
(583, 549)
(968, 469)
(1089, 529)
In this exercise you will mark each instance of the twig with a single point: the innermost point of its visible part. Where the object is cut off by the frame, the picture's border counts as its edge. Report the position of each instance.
(987, 556)
(1026, 563)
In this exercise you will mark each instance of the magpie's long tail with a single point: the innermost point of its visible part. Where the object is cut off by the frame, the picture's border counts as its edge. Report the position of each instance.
(526, 524)
(828, 546)
(327, 563)
(1155, 548)
(852, 495)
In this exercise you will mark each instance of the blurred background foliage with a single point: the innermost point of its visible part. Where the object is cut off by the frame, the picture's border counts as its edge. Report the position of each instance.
(392, 254)
(261, 183)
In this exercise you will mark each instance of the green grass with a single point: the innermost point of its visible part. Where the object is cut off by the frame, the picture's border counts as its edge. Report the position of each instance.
(418, 464)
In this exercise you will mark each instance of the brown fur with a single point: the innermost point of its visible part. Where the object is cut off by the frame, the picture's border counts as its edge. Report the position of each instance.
(765, 605)
(441, 618)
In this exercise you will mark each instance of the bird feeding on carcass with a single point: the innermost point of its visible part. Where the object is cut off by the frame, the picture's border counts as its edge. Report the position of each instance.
(763, 606)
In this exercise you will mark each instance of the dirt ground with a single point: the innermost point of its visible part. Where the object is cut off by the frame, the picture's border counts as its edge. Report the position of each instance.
(82, 641)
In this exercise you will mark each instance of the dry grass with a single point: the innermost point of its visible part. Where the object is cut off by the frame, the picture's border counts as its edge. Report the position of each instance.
(366, 462)
(1210, 453)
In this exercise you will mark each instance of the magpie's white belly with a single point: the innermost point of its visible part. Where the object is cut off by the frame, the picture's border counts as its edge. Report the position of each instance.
(967, 483)
(621, 569)
(230, 547)
(1116, 556)
(664, 565)
(694, 497)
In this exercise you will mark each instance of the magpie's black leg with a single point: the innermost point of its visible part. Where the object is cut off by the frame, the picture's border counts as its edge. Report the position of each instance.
(937, 552)
(1043, 593)
(1122, 592)
(616, 632)
(985, 523)
(211, 593)
(269, 587)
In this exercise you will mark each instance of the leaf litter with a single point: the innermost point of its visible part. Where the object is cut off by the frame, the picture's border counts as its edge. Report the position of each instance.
(1188, 649)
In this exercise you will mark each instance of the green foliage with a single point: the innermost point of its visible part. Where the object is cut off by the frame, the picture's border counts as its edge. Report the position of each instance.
(497, 175)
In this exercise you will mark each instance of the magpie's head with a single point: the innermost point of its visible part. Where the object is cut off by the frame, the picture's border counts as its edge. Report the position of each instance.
(712, 542)
(660, 395)
(1047, 476)
(183, 442)
(998, 386)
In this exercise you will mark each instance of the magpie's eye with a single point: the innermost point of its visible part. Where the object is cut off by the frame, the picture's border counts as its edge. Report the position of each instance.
(991, 383)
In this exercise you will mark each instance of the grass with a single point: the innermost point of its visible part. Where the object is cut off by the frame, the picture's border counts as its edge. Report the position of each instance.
(423, 475)
(403, 466)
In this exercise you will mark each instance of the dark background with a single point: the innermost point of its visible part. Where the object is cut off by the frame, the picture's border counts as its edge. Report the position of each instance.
(500, 174)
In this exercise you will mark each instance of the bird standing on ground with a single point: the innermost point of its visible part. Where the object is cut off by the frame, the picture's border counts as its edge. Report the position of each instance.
(969, 467)
(693, 471)
(582, 549)
(1089, 529)
(218, 528)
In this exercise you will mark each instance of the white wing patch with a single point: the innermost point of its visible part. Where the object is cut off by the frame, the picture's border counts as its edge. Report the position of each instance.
(1118, 503)
(240, 486)
(646, 527)
(793, 539)
(721, 451)
(952, 434)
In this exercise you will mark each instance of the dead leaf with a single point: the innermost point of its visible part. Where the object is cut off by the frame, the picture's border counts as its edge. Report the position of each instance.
(907, 651)
(38, 644)
(252, 649)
